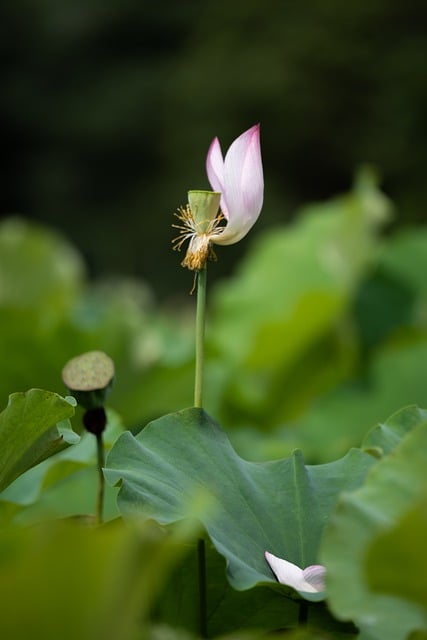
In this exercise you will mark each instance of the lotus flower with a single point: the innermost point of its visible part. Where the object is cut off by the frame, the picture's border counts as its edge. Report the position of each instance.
(238, 185)
(308, 580)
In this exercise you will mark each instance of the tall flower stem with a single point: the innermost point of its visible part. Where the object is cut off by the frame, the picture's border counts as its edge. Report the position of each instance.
(200, 336)
(198, 402)
(100, 454)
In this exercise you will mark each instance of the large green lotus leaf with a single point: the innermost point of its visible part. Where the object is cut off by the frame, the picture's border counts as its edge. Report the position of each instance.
(280, 506)
(360, 518)
(33, 426)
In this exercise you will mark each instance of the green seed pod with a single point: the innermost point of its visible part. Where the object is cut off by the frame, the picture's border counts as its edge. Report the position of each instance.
(204, 206)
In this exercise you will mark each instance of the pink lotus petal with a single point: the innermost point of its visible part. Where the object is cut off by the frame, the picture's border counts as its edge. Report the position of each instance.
(215, 166)
(240, 179)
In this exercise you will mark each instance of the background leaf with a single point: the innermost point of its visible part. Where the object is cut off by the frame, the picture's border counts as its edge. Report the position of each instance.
(360, 518)
(396, 562)
(281, 319)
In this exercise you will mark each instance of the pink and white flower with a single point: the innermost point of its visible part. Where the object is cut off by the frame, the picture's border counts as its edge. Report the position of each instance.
(238, 184)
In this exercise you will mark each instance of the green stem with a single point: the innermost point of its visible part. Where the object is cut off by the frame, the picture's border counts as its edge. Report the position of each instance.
(101, 479)
(200, 337)
(198, 402)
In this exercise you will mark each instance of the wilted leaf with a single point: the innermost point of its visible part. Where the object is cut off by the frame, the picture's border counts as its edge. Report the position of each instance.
(33, 427)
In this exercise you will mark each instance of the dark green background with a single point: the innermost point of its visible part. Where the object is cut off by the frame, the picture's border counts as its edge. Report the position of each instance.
(108, 109)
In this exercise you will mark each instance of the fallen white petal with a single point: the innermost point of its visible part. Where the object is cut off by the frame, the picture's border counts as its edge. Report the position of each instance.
(308, 580)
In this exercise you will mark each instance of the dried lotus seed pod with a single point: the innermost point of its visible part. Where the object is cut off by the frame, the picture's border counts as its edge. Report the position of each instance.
(89, 377)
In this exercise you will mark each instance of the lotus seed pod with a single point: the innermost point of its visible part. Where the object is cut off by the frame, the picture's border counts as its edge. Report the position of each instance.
(89, 378)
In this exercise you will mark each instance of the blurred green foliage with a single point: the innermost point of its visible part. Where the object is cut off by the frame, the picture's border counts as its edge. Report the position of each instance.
(108, 109)
(62, 579)
(403, 541)
(319, 334)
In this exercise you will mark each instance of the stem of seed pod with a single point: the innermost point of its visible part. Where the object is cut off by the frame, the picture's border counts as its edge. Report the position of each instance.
(101, 479)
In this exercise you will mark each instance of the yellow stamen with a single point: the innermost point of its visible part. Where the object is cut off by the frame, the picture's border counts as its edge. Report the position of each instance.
(199, 248)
